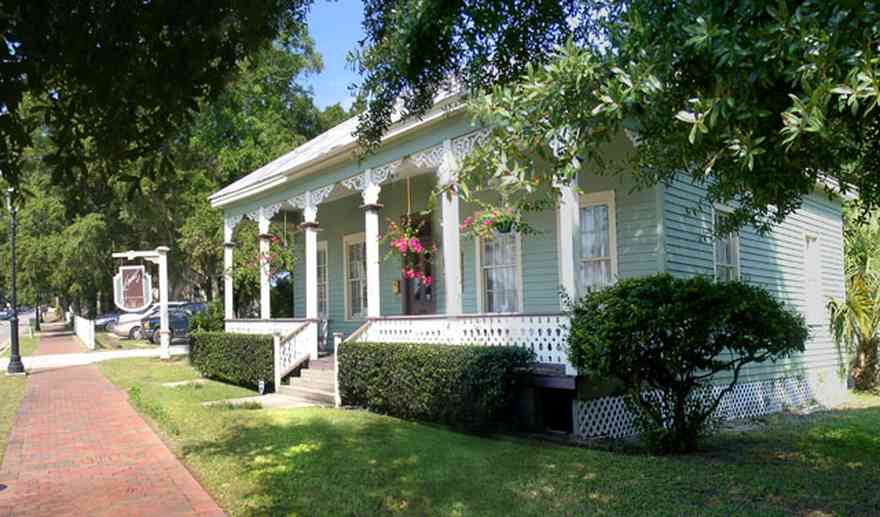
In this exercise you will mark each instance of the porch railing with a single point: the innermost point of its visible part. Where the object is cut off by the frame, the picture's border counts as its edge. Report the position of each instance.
(257, 326)
(546, 334)
(293, 348)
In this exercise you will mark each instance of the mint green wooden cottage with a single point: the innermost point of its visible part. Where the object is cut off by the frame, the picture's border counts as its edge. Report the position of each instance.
(506, 291)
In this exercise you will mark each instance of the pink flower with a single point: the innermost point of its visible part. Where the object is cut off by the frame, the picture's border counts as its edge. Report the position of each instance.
(409, 273)
(427, 279)
(416, 246)
(467, 221)
(400, 244)
(487, 222)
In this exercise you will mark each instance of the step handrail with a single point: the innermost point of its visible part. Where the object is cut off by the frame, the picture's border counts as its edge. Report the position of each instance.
(278, 341)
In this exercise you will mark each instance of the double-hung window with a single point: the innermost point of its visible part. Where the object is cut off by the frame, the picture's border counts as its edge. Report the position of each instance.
(499, 273)
(355, 277)
(598, 264)
(815, 312)
(726, 249)
(322, 280)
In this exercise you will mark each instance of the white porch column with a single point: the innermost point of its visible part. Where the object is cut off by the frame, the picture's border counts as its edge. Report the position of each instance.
(371, 243)
(569, 229)
(228, 249)
(310, 229)
(265, 288)
(450, 220)
(164, 334)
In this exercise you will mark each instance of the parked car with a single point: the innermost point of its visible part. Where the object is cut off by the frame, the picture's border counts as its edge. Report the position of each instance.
(196, 307)
(106, 321)
(178, 325)
(129, 324)
(5, 314)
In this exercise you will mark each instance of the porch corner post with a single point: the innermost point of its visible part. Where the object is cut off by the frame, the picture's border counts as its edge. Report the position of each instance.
(228, 250)
(310, 229)
(265, 287)
(371, 243)
(450, 220)
(568, 223)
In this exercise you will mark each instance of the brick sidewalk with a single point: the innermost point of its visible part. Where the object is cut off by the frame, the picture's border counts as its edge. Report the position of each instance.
(59, 343)
(78, 448)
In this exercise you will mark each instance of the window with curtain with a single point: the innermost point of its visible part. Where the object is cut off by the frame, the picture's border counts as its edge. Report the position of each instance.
(356, 278)
(322, 280)
(498, 264)
(726, 252)
(597, 262)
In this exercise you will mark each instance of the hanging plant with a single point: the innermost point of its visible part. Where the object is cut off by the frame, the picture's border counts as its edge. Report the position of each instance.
(416, 255)
(486, 223)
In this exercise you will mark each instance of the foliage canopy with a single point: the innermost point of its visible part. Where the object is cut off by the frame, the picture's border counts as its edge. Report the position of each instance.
(728, 93)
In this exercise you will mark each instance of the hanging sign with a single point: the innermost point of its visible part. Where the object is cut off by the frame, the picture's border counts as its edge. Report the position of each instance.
(132, 288)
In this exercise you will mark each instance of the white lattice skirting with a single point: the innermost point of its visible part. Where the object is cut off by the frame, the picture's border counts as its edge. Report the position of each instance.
(607, 417)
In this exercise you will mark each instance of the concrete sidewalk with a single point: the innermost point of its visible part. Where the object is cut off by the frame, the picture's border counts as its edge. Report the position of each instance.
(82, 358)
(78, 448)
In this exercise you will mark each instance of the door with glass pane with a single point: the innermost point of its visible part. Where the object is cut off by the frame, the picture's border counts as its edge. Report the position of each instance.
(417, 295)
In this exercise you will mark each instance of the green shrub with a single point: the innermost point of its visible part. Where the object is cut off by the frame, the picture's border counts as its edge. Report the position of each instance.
(666, 339)
(468, 386)
(209, 320)
(243, 359)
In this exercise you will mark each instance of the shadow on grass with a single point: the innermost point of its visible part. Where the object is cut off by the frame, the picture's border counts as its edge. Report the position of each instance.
(317, 462)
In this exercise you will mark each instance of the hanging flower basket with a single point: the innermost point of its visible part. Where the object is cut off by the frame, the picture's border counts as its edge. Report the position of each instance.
(416, 256)
(486, 223)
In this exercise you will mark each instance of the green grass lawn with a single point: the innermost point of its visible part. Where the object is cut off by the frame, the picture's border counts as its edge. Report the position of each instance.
(338, 462)
(108, 341)
(11, 393)
(26, 345)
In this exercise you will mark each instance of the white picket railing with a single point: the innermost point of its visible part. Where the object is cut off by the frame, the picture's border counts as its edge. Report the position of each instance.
(545, 334)
(254, 326)
(292, 348)
(85, 331)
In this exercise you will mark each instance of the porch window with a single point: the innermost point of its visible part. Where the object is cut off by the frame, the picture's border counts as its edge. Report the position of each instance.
(322, 280)
(355, 277)
(726, 250)
(499, 273)
(598, 241)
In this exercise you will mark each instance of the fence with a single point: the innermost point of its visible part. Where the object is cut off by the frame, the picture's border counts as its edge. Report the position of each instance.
(85, 331)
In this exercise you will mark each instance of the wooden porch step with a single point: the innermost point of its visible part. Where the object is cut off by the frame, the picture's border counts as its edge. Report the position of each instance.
(313, 395)
(310, 374)
(323, 363)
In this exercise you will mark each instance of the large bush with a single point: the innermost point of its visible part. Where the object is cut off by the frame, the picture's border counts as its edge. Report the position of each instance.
(243, 359)
(468, 386)
(667, 340)
(209, 320)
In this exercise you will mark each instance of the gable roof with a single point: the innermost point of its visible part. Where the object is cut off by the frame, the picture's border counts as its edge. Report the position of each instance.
(331, 143)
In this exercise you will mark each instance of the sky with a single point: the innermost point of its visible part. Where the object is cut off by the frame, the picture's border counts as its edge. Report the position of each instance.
(336, 28)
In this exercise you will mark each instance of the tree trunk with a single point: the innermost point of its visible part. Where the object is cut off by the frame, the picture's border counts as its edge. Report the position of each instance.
(865, 371)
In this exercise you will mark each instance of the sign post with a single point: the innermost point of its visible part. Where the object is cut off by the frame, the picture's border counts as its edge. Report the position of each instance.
(132, 289)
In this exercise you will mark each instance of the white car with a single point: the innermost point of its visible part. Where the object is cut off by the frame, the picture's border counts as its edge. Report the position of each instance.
(129, 323)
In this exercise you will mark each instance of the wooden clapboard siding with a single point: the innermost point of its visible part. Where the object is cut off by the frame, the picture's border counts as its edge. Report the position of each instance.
(774, 261)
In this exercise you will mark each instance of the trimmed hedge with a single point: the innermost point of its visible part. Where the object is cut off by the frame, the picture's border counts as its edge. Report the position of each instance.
(468, 386)
(243, 359)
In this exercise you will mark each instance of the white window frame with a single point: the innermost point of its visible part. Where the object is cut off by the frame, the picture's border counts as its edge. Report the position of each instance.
(814, 310)
(322, 248)
(587, 200)
(481, 296)
(348, 240)
(736, 244)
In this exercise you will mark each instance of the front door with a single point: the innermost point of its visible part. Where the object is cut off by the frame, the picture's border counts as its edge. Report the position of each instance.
(417, 296)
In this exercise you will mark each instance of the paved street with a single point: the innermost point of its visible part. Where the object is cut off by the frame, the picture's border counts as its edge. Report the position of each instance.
(78, 448)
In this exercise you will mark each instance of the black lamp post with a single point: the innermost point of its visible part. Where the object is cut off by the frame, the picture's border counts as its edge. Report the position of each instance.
(37, 312)
(15, 364)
